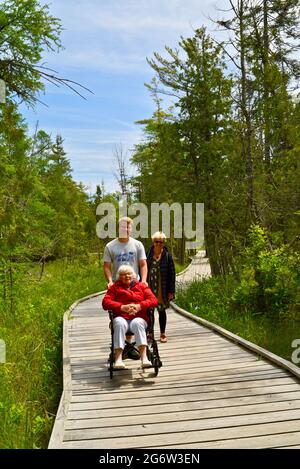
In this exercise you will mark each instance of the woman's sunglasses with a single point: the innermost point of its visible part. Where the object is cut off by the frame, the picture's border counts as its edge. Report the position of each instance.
(159, 242)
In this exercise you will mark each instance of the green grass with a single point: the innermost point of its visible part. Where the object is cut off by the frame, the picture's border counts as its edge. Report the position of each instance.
(30, 380)
(210, 300)
(180, 267)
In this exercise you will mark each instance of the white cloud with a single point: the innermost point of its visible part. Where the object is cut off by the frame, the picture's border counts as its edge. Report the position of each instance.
(91, 153)
(100, 136)
(93, 167)
(118, 35)
(133, 16)
(97, 59)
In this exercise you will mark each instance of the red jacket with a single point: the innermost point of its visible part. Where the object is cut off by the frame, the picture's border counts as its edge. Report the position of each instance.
(138, 293)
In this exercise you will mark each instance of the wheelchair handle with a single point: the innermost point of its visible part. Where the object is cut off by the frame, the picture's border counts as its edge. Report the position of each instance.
(111, 315)
(150, 312)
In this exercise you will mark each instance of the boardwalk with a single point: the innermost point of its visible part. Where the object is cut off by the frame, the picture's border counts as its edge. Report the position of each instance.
(198, 269)
(228, 397)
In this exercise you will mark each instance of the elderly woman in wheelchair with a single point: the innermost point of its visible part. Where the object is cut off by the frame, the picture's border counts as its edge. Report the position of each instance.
(129, 300)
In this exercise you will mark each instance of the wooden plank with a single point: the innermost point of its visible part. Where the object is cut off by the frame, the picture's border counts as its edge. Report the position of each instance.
(179, 416)
(239, 340)
(136, 372)
(96, 372)
(189, 369)
(179, 368)
(183, 406)
(152, 429)
(255, 442)
(181, 388)
(125, 378)
(168, 361)
(96, 368)
(288, 447)
(180, 439)
(116, 401)
(108, 388)
(140, 381)
(177, 348)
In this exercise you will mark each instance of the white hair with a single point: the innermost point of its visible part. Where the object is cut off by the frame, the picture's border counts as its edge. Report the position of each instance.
(125, 268)
(159, 235)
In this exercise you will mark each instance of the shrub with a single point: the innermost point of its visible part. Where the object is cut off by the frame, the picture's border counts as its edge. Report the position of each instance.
(269, 277)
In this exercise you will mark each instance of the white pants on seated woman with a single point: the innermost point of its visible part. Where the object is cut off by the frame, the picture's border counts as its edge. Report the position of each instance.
(137, 326)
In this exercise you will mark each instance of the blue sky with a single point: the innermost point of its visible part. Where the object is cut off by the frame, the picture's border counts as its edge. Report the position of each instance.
(106, 44)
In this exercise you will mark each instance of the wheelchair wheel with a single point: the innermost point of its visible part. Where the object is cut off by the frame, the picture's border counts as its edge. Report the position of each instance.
(111, 364)
(111, 357)
(156, 367)
(154, 357)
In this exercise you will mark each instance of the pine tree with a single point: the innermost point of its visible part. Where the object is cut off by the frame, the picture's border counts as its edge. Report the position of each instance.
(204, 102)
(26, 30)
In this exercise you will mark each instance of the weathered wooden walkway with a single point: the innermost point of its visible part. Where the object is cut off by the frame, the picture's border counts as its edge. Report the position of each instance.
(198, 269)
(210, 393)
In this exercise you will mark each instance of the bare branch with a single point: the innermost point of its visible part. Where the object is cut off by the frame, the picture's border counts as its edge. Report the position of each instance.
(220, 44)
(120, 158)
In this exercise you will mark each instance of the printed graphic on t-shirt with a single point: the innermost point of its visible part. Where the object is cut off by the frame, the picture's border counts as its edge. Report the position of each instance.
(126, 257)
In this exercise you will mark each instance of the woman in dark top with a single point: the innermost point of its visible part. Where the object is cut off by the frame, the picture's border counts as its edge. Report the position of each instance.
(161, 278)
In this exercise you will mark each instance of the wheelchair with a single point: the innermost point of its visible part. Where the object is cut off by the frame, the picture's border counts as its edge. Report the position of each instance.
(152, 349)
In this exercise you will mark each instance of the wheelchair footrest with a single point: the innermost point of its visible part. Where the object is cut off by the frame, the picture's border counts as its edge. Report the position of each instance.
(130, 352)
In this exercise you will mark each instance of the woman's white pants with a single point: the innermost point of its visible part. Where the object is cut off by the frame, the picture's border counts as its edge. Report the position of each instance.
(137, 326)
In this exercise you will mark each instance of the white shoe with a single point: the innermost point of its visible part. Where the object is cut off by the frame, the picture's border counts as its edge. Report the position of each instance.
(146, 363)
(119, 365)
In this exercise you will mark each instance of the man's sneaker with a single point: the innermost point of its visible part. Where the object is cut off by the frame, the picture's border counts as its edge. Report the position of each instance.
(119, 365)
(146, 363)
(130, 352)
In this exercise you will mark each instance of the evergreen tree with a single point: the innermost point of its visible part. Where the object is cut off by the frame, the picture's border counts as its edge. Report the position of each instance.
(202, 122)
(26, 30)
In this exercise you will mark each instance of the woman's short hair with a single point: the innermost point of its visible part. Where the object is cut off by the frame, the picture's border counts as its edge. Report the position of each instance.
(123, 269)
(159, 235)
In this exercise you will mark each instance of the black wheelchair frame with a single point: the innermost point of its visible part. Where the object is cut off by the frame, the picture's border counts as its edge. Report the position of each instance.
(152, 349)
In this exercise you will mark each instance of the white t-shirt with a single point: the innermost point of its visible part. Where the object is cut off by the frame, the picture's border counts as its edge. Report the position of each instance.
(130, 253)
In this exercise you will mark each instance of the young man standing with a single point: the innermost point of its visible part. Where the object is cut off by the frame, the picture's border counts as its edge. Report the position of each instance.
(124, 250)
(129, 251)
